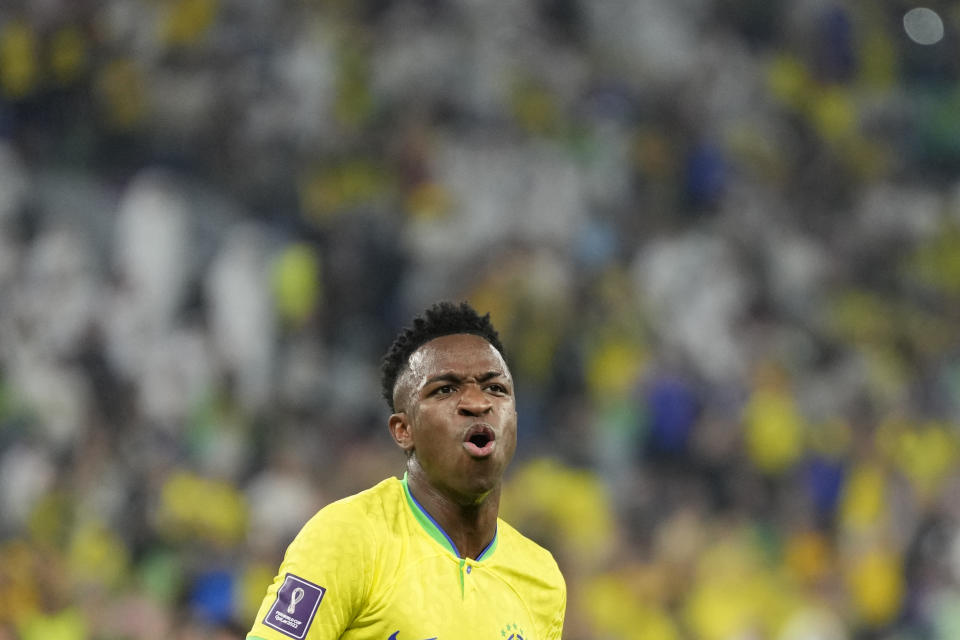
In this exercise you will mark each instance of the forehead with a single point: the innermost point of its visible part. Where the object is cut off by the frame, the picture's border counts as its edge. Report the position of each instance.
(461, 353)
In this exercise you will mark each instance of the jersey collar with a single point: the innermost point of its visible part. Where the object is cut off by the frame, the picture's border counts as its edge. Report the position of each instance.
(435, 531)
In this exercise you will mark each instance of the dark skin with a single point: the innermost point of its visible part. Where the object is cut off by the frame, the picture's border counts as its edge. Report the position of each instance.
(456, 418)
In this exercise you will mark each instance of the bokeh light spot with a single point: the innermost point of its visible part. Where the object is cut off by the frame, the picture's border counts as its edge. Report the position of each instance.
(923, 25)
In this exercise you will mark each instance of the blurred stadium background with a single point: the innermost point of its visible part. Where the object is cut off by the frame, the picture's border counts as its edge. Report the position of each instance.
(721, 239)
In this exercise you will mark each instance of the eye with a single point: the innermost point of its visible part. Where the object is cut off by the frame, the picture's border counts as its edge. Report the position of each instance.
(443, 390)
(497, 388)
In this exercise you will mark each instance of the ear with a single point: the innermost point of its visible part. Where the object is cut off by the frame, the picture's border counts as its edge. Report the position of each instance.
(399, 426)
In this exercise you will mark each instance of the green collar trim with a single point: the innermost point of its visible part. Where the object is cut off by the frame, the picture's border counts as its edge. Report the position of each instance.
(486, 553)
(435, 531)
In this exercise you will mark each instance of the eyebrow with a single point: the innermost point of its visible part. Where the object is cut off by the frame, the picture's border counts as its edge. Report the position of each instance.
(452, 377)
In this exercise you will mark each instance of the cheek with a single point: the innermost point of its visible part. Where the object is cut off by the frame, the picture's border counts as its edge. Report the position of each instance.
(426, 433)
(510, 423)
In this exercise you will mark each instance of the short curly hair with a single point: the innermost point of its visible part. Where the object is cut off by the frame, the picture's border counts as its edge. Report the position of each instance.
(441, 319)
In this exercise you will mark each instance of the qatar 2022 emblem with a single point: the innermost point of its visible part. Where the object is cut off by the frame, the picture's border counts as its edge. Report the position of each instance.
(512, 632)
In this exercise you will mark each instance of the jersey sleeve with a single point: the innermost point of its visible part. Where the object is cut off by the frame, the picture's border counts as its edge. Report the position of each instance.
(323, 581)
(554, 630)
(549, 598)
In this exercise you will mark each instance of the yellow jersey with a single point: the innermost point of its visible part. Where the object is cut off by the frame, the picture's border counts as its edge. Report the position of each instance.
(376, 566)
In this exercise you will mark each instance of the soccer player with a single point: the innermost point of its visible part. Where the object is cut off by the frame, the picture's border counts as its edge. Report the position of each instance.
(426, 557)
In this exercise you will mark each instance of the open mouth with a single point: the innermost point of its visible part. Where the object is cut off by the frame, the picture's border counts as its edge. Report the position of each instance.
(479, 441)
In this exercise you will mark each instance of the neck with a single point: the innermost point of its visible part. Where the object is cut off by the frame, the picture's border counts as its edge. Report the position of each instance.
(470, 522)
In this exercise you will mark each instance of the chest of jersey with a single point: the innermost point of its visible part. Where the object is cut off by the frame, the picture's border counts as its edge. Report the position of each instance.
(440, 597)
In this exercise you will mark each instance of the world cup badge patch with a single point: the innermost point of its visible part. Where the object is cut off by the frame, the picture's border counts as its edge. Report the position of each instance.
(296, 604)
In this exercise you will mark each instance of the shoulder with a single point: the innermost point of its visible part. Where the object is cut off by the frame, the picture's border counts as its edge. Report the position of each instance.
(338, 551)
(520, 543)
(356, 518)
(534, 573)
(529, 557)
(380, 499)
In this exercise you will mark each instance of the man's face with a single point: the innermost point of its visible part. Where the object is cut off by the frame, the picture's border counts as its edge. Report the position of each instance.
(456, 413)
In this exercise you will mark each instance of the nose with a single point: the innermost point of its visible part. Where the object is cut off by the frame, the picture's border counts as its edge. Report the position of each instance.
(474, 402)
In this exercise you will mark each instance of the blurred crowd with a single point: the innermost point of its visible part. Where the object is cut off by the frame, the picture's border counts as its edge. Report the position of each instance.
(721, 240)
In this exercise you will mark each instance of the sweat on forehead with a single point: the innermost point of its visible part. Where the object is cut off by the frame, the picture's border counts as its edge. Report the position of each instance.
(455, 350)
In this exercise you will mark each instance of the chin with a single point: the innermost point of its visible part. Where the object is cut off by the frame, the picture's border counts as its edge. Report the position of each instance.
(478, 489)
